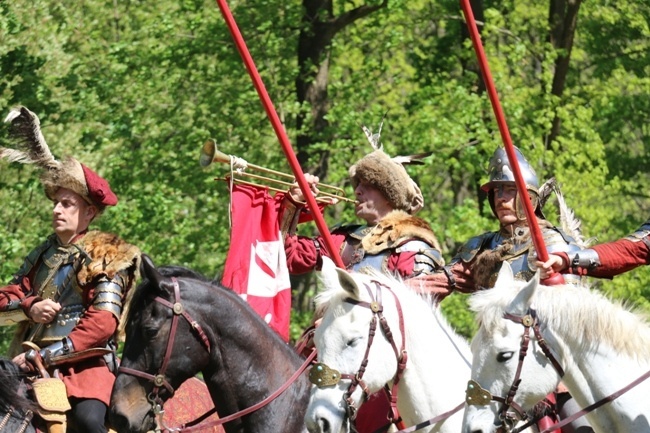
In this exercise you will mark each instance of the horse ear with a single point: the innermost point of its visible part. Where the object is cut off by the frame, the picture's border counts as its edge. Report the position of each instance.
(505, 277)
(347, 282)
(148, 270)
(522, 302)
(328, 273)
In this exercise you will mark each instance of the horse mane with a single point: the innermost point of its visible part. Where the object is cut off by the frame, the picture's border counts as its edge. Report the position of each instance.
(134, 296)
(411, 300)
(571, 310)
(10, 381)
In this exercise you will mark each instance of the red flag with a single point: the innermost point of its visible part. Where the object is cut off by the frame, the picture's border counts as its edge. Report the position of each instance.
(256, 265)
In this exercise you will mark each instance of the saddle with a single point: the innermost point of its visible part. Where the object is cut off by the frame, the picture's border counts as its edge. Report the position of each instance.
(50, 396)
(52, 400)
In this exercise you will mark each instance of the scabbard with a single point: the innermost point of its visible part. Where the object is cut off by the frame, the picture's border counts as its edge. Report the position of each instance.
(78, 356)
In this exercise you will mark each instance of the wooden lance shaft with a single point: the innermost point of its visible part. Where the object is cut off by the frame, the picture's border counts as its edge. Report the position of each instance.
(280, 132)
(536, 233)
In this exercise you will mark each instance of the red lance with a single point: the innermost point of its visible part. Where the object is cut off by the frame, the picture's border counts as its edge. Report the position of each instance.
(279, 131)
(536, 233)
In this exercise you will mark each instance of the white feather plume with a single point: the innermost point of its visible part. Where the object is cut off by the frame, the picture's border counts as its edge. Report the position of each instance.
(569, 223)
(29, 146)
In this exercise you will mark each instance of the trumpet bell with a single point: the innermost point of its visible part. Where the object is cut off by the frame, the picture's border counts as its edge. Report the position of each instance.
(208, 152)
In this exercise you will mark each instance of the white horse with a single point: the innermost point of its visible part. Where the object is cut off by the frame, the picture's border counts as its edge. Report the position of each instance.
(601, 347)
(437, 366)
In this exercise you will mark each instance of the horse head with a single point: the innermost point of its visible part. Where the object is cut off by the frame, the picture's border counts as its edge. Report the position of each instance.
(507, 355)
(344, 342)
(162, 347)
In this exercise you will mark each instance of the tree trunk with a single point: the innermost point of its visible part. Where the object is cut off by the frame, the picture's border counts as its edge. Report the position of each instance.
(563, 20)
(319, 27)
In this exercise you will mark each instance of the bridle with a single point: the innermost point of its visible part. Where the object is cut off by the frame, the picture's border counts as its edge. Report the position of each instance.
(159, 380)
(481, 397)
(322, 375)
(478, 396)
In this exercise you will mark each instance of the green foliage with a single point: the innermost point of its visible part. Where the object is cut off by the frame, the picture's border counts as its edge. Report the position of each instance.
(133, 89)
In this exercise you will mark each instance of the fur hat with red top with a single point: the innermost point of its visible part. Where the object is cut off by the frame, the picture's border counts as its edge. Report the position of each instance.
(31, 148)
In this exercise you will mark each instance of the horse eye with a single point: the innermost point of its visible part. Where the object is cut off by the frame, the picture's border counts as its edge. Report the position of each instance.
(353, 341)
(150, 332)
(504, 356)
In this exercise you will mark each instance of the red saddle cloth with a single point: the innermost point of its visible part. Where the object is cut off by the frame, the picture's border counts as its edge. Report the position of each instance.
(190, 401)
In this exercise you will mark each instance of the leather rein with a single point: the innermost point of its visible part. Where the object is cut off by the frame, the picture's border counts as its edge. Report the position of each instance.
(478, 396)
(11, 412)
(322, 376)
(160, 381)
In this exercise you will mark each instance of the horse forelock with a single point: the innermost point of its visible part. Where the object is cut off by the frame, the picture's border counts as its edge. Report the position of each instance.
(135, 296)
(419, 306)
(573, 312)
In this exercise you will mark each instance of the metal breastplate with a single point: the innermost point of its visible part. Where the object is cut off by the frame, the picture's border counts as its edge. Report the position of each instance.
(523, 254)
(372, 261)
(355, 257)
(56, 279)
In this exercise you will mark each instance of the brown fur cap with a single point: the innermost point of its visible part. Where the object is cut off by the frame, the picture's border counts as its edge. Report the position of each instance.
(390, 178)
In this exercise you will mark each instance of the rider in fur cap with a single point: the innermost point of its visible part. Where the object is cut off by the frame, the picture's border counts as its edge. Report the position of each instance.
(391, 239)
(67, 296)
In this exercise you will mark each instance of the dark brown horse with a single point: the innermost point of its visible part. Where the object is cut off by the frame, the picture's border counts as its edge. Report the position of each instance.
(216, 333)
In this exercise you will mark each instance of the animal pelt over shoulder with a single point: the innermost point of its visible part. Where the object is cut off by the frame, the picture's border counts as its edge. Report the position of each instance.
(396, 228)
(488, 262)
(108, 255)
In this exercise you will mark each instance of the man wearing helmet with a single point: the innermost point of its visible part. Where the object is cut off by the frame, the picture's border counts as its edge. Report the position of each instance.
(477, 262)
(392, 240)
(67, 296)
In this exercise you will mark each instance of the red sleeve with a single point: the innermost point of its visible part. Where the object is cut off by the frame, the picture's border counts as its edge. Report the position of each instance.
(20, 293)
(302, 255)
(620, 256)
(12, 292)
(94, 329)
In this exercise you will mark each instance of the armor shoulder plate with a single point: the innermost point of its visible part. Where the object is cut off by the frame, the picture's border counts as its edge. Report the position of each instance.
(468, 251)
(356, 231)
(31, 259)
(640, 233)
(427, 259)
(109, 295)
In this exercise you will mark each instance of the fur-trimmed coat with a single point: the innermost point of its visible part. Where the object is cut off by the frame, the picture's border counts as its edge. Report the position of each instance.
(106, 255)
(394, 230)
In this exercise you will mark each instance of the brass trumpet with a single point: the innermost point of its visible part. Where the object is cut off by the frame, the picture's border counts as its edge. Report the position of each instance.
(210, 154)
